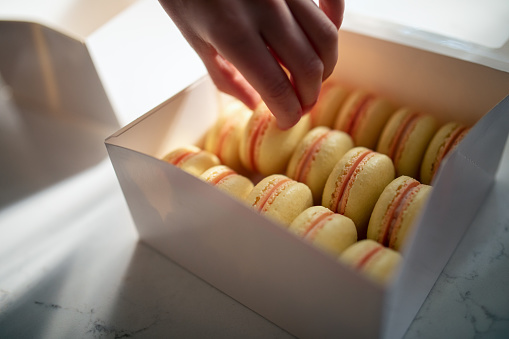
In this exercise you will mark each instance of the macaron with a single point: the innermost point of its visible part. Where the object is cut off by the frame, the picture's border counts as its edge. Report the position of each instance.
(355, 183)
(331, 98)
(377, 262)
(228, 181)
(264, 147)
(396, 211)
(329, 231)
(223, 139)
(363, 116)
(315, 157)
(444, 140)
(192, 159)
(405, 138)
(280, 198)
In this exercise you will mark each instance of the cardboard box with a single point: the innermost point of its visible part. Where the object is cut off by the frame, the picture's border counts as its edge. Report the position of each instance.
(49, 92)
(260, 264)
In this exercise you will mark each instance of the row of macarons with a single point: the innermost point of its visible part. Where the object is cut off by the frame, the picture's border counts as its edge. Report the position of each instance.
(362, 199)
(250, 141)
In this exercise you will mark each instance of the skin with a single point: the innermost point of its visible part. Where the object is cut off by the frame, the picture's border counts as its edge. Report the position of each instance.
(249, 47)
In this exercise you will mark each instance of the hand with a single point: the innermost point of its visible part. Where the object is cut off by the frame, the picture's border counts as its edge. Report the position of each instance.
(245, 43)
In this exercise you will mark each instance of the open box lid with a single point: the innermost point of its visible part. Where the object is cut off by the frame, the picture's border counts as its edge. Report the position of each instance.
(473, 31)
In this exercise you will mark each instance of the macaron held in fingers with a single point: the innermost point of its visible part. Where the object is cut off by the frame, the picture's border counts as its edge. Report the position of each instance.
(444, 141)
(315, 157)
(264, 147)
(363, 116)
(228, 181)
(355, 183)
(405, 138)
(192, 159)
(280, 198)
(329, 231)
(396, 211)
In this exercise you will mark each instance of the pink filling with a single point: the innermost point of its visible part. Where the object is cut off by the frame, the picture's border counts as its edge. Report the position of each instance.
(179, 160)
(368, 257)
(449, 144)
(317, 224)
(273, 190)
(255, 139)
(305, 162)
(223, 134)
(221, 176)
(402, 135)
(392, 220)
(357, 114)
(342, 190)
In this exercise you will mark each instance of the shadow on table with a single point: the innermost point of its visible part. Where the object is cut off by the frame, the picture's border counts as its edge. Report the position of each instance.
(54, 112)
(157, 297)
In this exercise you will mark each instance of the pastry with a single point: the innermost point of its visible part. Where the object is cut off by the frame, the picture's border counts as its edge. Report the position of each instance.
(372, 259)
(264, 147)
(444, 140)
(331, 98)
(355, 183)
(329, 231)
(405, 138)
(192, 159)
(223, 139)
(364, 116)
(280, 198)
(228, 181)
(315, 157)
(396, 211)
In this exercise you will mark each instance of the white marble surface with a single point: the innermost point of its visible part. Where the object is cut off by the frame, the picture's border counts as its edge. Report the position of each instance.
(71, 265)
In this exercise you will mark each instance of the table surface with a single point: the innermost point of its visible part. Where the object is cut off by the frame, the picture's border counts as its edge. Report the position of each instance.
(71, 264)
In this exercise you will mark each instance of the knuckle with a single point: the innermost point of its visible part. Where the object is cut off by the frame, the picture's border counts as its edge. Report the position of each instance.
(279, 90)
(313, 69)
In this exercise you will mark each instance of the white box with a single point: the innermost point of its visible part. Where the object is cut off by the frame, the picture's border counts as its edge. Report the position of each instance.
(269, 270)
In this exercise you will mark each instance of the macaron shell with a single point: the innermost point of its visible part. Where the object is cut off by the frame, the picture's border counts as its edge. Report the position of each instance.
(429, 162)
(364, 189)
(407, 157)
(332, 146)
(287, 204)
(370, 124)
(273, 146)
(336, 233)
(223, 139)
(196, 164)
(406, 218)
(381, 266)
(410, 216)
(234, 184)
(329, 103)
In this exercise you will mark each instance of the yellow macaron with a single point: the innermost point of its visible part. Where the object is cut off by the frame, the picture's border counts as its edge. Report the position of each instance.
(444, 140)
(223, 139)
(355, 183)
(363, 116)
(228, 181)
(192, 159)
(396, 211)
(315, 157)
(329, 231)
(331, 98)
(280, 198)
(405, 138)
(372, 259)
(264, 147)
